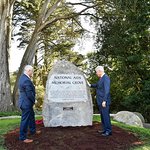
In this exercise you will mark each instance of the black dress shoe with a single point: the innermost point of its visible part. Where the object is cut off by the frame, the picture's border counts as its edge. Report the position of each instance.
(100, 131)
(106, 134)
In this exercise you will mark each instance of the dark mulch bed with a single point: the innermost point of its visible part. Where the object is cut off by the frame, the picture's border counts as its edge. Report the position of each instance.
(73, 138)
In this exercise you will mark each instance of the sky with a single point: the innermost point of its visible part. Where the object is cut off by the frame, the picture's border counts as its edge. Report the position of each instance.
(83, 45)
(15, 57)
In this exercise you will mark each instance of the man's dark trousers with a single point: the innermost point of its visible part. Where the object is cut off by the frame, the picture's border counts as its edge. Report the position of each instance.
(106, 123)
(27, 120)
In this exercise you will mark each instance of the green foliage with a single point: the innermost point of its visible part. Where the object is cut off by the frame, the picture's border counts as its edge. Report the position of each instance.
(39, 97)
(12, 79)
(123, 45)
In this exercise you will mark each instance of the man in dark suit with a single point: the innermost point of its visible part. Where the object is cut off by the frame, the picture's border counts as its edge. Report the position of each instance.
(26, 102)
(103, 100)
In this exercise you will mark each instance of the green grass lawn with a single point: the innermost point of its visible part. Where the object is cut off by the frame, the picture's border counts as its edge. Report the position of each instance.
(11, 113)
(144, 134)
(5, 126)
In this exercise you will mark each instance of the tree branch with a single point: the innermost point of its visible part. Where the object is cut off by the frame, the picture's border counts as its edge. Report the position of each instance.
(51, 10)
(89, 14)
(83, 27)
(43, 11)
(69, 16)
(12, 2)
(82, 4)
(47, 23)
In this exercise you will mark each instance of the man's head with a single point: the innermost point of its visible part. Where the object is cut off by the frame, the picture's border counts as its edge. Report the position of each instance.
(28, 69)
(99, 71)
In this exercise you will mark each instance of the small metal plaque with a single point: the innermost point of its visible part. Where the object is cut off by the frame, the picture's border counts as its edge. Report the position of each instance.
(67, 108)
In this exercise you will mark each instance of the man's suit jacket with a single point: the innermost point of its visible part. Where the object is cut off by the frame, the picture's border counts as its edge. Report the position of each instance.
(102, 90)
(27, 92)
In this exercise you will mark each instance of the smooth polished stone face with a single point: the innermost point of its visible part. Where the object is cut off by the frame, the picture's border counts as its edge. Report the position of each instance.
(67, 99)
(67, 88)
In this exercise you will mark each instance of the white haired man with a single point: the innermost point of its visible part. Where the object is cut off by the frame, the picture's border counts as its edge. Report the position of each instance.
(26, 102)
(103, 100)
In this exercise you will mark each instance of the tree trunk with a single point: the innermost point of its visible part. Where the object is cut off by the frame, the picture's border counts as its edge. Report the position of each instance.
(27, 59)
(5, 38)
(31, 48)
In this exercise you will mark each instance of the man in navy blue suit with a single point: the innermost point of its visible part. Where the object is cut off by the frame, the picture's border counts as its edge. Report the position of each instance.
(103, 100)
(26, 102)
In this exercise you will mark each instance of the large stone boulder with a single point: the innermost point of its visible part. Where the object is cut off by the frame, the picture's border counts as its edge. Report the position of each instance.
(67, 100)
(129, 118)
(140, 116)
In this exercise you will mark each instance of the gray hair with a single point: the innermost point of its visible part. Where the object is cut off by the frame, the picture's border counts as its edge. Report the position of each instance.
(99, 68)
(27, 68)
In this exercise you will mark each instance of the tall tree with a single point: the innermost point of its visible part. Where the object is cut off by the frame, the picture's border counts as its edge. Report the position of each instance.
(6, 10)
(47, 16)
(123, 43)
(41, 22)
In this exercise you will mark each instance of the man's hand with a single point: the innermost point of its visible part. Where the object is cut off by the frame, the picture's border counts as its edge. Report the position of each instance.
(104, 104)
